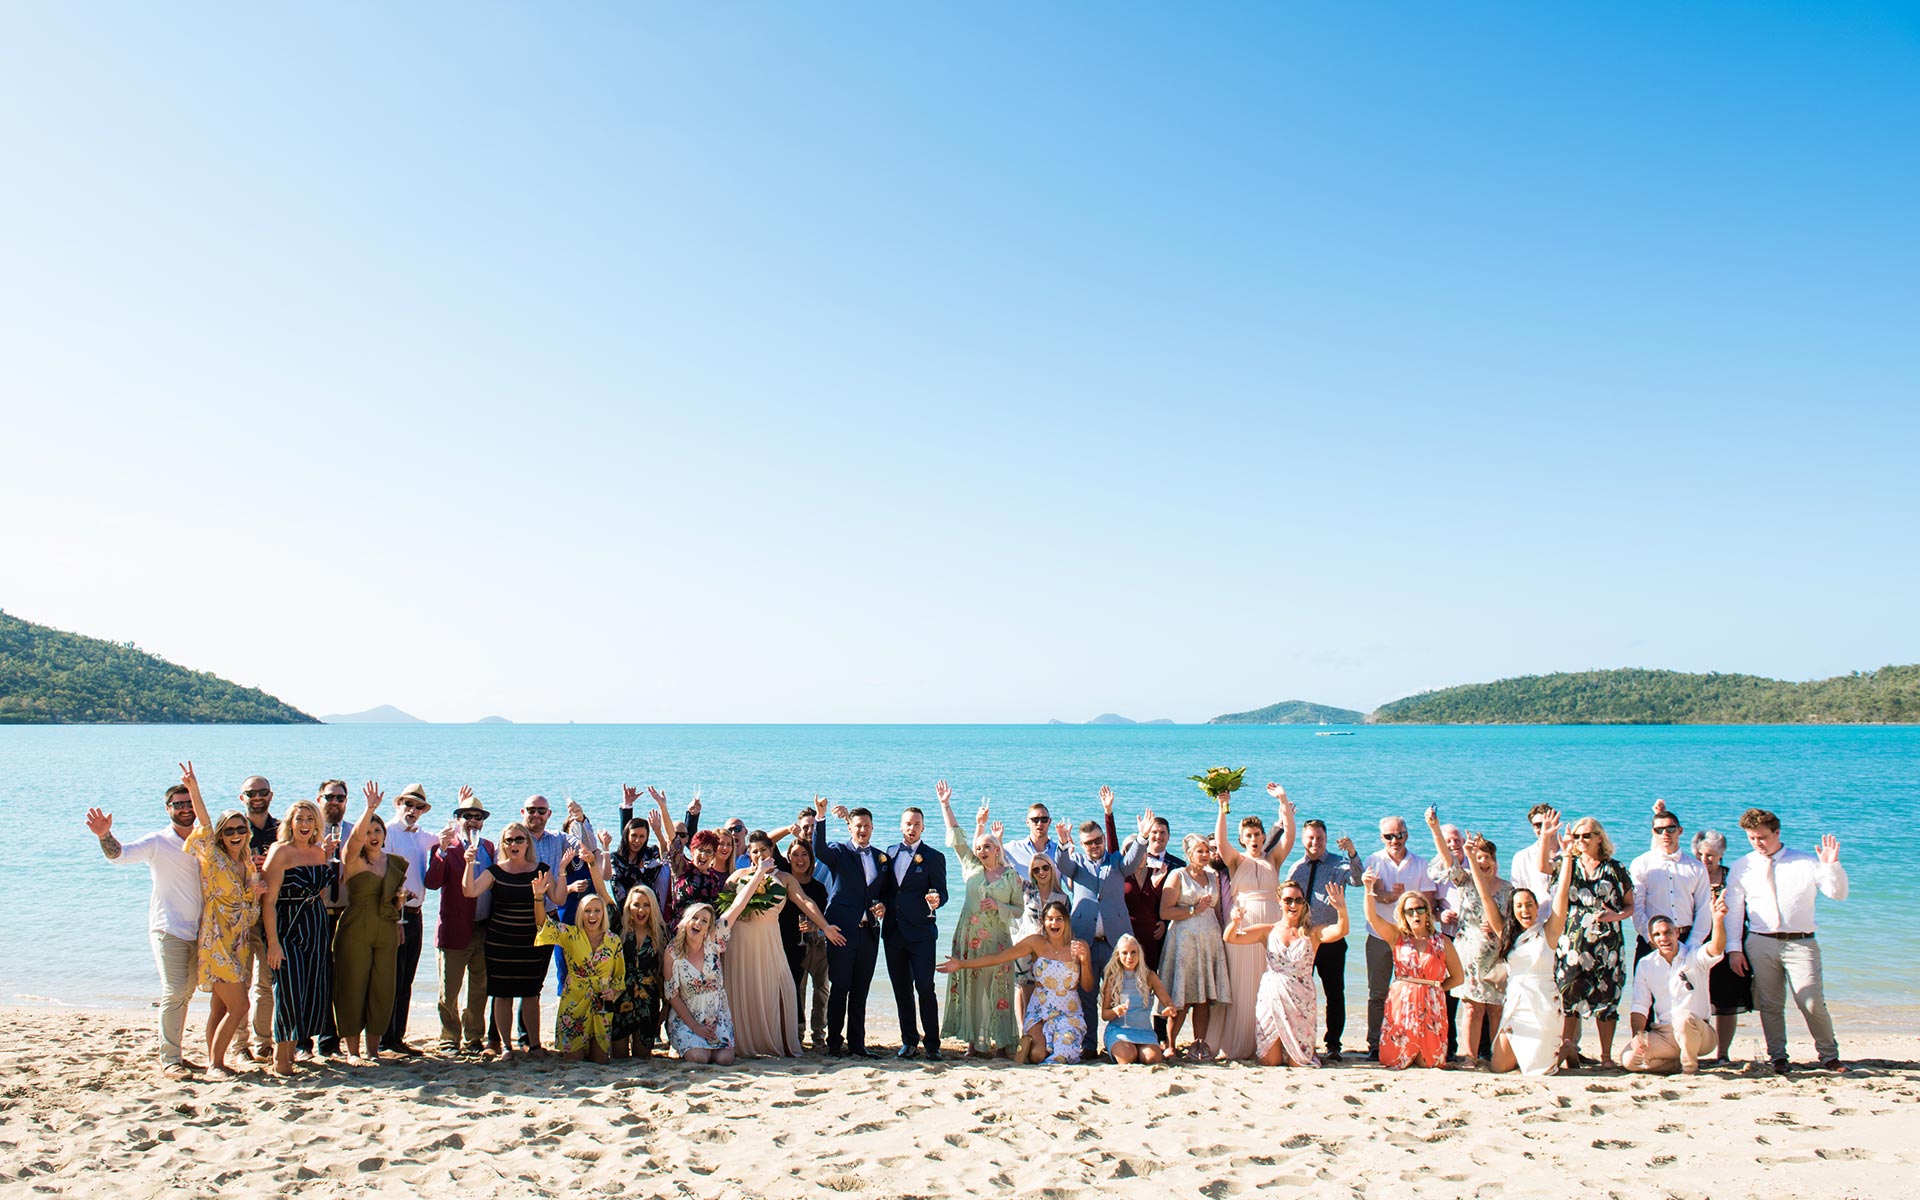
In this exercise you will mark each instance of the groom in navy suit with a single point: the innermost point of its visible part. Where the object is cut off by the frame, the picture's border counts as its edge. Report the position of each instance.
(859, 885)
(919, 875)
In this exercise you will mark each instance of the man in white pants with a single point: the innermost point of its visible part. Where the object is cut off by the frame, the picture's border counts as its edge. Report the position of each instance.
(173, 914)
(1672, 1017)
(1771, 894)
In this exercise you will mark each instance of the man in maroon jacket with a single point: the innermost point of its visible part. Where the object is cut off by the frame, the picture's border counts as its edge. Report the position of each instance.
(1143, 892)
(462, 932)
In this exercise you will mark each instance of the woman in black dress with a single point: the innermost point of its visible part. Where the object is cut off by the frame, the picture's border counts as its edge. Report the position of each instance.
(295, 916)
(1731, 994)
(516, 968)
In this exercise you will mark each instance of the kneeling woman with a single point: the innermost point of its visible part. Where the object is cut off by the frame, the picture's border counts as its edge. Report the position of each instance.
(1529, 1037)
(1127, 994)
(699, 1024)
(596, 970)
(1285, 1013)
(1054, 1025)
(1424, 968)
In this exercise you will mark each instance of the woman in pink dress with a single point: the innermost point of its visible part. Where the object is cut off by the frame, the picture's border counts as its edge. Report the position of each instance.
(1256, 877)
(1286, 1015)
(1424, 968)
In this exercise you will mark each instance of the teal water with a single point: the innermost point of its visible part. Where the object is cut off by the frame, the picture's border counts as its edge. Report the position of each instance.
(78, 936)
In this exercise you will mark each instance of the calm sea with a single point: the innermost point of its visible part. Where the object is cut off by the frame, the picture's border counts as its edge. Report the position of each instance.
(78, 934)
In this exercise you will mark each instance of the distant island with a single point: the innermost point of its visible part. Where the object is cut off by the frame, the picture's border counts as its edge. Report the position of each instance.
(1115, 719)
(383, 714)
(493, 721)
(1293, 712)
(49, 676)
(1634, 696)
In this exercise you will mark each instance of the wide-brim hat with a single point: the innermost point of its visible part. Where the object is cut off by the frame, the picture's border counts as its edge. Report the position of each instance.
(417, 791)
(473, 809)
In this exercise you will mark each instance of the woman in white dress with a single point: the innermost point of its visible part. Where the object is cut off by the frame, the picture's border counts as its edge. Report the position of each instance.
(1193, 959)
(1529, 1037)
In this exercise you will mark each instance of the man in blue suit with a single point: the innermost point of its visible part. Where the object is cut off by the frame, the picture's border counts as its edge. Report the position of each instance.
(1096, 873)
(859, 885)
(919, 889)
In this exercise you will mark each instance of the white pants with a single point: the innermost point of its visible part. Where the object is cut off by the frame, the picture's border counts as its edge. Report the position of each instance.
(179, 963)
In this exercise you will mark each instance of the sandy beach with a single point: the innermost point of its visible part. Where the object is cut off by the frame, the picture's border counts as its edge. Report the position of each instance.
(84, 1111)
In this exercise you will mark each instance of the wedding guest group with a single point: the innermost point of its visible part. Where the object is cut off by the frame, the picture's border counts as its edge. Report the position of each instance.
(1066, 943)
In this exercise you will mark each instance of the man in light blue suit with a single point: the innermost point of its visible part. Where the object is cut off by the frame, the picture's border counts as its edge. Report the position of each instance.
(1096, 873)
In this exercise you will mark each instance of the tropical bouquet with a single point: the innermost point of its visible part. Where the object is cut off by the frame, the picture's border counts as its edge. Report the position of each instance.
(1219, 781)
(768, 895)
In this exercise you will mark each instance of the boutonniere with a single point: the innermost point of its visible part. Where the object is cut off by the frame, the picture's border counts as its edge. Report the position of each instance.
(916, 858)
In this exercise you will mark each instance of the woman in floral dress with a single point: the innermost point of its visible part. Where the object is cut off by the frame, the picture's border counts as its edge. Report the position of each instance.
(1589, 962)
(699, 1022)
(1284, 1010)
(596, 970)
(635, 1021)
(1414, 1031)
(980, 1006)
(1485, 908)
(230, 892)
(1054, 1026)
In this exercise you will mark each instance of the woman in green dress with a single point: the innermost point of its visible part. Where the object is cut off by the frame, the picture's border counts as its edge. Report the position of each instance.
(980, 1003)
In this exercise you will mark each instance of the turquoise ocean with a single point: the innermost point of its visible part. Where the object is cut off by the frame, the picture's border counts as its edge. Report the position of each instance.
(77, 934)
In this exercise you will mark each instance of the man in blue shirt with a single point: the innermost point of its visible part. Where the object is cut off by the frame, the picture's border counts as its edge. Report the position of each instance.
(1096, 877)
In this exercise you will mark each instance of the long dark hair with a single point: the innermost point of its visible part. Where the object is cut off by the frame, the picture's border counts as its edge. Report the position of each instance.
(1066, 914)
(1510, 924)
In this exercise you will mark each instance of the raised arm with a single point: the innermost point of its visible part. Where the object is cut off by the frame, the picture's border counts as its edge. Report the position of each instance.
(595, 868)
(1440, 850)
(350, 853)
(744, 893)
(955, 842)
(1386, 931)
(1483, 884)
(797, 896)
(1277, 854)
(470, 883)
(1229, 856)
(192, 783)
(1336, 896)
(1557, 918)
(1830, 877)
(100, 825)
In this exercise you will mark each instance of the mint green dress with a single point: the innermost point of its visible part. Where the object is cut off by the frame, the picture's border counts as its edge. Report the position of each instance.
(980, 1003)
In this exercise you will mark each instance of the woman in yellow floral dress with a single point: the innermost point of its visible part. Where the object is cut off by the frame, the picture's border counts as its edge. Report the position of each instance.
(596, 968)
(230, 892)
(980, 1005)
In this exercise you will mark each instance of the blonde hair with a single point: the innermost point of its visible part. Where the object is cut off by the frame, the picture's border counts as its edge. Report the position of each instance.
(1400, 913)
(1606, 843)
(580, 910)
(628, 921)
(501, 857)
(245, 857)
(1110, 978)
(679, 946)
(286, 823)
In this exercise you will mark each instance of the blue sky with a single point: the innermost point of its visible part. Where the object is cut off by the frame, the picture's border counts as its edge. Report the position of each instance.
(986, 362)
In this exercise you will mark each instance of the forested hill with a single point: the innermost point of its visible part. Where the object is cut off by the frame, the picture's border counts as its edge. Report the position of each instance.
(48, 676)
(1641, 697)
(1292, 712)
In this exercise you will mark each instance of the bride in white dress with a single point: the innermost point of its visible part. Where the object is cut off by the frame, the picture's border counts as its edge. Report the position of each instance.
(1530, 1031)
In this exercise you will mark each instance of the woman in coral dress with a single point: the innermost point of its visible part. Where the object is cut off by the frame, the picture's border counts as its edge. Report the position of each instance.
(1255, 874)
(980, 1004)
(1424, 967)
(760, 991)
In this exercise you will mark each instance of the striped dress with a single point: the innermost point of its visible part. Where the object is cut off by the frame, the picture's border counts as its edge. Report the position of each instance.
(303, 986)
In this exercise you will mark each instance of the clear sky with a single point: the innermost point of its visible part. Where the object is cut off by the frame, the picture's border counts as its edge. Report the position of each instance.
(757, 362)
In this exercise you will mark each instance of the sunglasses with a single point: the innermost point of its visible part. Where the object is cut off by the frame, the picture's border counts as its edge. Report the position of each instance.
(1666, 829)
(179, 804)
(1393, 837)
(410, 806)
(512, 841)
(234, 831)
(1293, 902)
(535, 811)
(335, 797)
(1037, 820)
(256, 793)
(1417, 910)
(1585, 836)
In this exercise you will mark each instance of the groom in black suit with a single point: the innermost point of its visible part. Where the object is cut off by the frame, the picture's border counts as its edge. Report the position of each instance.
(859, 886)
(918, 875)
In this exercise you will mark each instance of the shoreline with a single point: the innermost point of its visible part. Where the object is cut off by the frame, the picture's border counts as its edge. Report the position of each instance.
(88, 1114)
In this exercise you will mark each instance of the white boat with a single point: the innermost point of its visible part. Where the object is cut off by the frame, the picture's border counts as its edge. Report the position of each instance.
(1334, 733)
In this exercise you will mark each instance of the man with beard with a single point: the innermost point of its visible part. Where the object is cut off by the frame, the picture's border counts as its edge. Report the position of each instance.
(173, 914)
(263, 830)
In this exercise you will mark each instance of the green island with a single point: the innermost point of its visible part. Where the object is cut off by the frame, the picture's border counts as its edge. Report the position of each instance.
(51, 677)
(1634, 696)
(1293, 712)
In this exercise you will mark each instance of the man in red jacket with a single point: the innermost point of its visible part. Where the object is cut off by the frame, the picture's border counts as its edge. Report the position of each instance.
(462, 932)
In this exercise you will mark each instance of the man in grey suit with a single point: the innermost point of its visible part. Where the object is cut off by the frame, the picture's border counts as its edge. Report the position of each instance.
(1097, 877)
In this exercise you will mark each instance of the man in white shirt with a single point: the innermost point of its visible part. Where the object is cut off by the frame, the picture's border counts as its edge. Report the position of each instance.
(1668, 882)
(1528, 871)
(173, 914)
(1770, 893)
(1398, 871)
(415, 845)
(1672, 1017)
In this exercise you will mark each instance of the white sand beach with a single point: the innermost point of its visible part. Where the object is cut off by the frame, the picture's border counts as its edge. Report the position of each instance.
(85, 1112)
